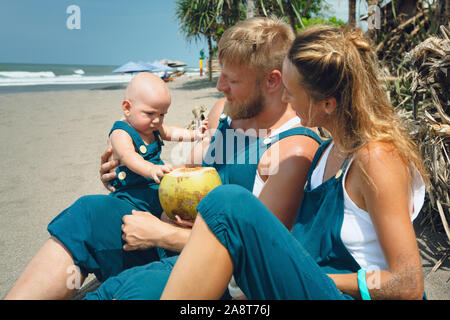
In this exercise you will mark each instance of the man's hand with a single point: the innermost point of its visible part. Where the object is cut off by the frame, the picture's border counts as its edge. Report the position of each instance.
(141, 230)
(107, 169)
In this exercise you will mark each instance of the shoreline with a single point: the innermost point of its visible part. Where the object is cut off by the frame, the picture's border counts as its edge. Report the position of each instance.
(61, 87)
(118, 85)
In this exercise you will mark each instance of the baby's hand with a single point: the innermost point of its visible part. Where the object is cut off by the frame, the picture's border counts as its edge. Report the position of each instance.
(157, 171)
(200, 132)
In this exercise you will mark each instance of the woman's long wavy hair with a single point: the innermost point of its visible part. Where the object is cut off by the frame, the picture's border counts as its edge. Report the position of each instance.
(339, 62)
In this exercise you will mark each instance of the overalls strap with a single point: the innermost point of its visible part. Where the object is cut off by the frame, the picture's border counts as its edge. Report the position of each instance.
(137, 140)
(158, 138)
(302, 131)
(141, 147)
(317, 156)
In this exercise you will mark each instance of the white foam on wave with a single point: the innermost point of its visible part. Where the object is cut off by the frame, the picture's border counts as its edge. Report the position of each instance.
(61, 80)
(27, 78)
(26, 74)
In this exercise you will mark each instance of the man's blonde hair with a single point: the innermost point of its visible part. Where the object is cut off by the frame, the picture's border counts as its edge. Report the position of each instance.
(259, 43)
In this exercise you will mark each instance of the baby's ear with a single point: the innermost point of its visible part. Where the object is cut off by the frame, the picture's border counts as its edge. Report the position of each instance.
(126, 106)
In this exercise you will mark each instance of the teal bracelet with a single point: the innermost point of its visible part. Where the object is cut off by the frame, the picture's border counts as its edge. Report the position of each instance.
(362, 284)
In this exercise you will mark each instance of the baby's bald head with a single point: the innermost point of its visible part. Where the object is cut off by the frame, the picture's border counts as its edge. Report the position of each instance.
(146, 102)
(149, 89)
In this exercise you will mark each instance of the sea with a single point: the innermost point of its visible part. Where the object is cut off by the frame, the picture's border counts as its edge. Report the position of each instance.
(51, 77)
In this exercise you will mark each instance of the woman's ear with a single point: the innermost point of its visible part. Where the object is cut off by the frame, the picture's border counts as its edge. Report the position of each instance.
(126, 106)
(273, 80)
(329, 105)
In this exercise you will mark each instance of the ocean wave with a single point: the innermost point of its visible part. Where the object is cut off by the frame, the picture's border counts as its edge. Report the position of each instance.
(28, 78)
(61, 80)
(79, 71)
(26, 74)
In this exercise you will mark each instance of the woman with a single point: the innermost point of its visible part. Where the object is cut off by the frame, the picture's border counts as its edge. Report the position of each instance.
(353, 236)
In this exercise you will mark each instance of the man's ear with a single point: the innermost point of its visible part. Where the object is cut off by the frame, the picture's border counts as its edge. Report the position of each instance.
(126, 106)
(273, 80)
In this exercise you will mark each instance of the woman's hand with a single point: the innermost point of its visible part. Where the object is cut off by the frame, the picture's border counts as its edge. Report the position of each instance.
(107, 169)
(177, 221)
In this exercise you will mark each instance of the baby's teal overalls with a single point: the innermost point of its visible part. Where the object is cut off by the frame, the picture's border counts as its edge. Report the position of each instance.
(140, 191)
(148, 281)
(91, 227)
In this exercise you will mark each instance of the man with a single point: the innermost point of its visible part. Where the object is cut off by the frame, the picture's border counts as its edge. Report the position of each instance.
(251, 55)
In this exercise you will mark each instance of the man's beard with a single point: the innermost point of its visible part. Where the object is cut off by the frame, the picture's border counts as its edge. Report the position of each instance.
(248, 108)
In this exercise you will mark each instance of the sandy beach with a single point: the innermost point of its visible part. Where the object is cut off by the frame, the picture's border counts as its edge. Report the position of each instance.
(50, 148)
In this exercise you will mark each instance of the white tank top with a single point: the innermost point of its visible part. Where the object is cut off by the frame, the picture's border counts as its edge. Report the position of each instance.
(259, 182)
(357, 232)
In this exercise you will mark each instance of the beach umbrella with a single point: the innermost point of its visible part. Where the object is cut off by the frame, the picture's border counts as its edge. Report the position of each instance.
(131, 67)
(177, 63)
(158, 66)
(173, 63)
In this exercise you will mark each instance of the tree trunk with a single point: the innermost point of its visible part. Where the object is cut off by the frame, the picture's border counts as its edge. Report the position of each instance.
(407, 8)
(447, 11)
(351, 13)
(442, 13)
(210, 47)
(291, 15)
(250, 8)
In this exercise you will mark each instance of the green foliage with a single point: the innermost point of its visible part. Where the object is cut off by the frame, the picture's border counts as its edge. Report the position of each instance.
(196, 18)
(319, 20)
(210, 18)
(296, 12)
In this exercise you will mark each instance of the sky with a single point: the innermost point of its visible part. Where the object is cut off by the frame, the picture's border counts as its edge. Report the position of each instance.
(107, 32)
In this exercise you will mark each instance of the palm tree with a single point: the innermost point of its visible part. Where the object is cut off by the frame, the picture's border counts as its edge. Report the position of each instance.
(294, 10)
(199, 18)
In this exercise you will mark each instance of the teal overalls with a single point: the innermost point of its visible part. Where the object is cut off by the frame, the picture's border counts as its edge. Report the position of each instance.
(229, 149)
(269, 261)
(140, 191)
(236, 167)
(292, 265)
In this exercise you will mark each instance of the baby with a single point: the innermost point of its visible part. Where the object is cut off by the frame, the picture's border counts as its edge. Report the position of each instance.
(137, 139)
